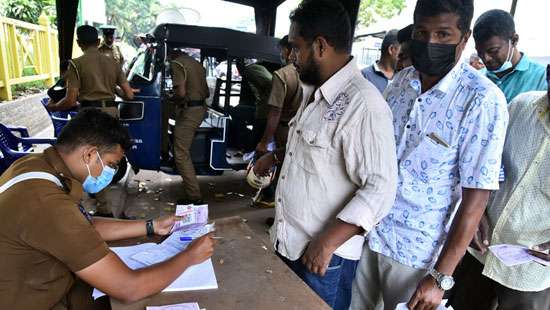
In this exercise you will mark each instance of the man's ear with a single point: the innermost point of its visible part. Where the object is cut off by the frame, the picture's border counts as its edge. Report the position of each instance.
(88, 153)
(466, 37)
(515, 39)
(320, 46)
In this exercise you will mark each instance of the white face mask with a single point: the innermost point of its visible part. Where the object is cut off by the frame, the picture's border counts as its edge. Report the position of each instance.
(508, 63)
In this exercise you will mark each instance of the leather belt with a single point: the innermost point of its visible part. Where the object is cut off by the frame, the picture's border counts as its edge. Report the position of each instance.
(98, 104)
(195, 103)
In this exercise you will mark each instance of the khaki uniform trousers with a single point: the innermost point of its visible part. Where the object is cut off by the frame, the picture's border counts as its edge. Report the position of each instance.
(188, 120)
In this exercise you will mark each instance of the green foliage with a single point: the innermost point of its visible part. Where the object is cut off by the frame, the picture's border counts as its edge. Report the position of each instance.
(28, 87)
(28, 10)
(131, 17)
(371, 10)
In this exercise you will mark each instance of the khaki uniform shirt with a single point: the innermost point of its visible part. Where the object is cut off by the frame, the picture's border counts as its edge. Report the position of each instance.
(112, 51)
(44, 237)
(95, 75)
(189, 72)
(286, 92)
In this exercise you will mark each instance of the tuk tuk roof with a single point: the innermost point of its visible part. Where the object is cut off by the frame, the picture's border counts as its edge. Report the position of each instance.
(237, 44)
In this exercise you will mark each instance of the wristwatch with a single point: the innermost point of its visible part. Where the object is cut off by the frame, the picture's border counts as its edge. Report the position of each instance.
(444, 281)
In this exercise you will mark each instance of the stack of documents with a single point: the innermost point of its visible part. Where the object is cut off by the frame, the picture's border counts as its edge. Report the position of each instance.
(197, 277)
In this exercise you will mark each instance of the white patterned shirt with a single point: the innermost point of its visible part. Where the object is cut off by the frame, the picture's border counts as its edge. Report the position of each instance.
(519, 212)
(448, 138)
(339, 163)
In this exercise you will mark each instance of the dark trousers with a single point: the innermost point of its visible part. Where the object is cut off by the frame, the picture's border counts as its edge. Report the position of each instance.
(335, 286)
(474, 291)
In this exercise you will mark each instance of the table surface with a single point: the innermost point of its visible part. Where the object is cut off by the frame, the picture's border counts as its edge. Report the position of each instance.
(250, 276)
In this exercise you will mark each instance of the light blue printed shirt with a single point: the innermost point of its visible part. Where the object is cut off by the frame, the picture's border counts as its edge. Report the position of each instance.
(448, 138)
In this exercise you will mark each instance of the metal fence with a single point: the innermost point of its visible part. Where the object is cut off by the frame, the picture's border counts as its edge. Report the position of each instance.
(28, 53)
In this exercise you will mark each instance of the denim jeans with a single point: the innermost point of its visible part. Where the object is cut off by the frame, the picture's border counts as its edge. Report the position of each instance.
(335, 286)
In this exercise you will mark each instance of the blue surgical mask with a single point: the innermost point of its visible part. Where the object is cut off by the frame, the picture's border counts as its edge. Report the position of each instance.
(508, 63)
(94, 185)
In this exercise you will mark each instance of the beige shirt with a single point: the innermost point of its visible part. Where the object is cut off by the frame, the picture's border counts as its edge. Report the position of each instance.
(519, 213)
(340, 163)
(95, 75)
(286, 92)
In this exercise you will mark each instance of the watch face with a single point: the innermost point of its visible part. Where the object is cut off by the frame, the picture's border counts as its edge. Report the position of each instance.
(447, 283)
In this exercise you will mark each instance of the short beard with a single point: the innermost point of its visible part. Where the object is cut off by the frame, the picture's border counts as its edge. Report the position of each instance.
(310, 73)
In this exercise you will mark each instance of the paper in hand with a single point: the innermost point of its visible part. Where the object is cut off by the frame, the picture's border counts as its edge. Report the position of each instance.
(403, 306)
(513, 255)
(184, 306)
(191, 216)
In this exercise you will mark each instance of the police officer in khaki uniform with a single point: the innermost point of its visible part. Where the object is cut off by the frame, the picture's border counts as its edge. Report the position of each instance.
(108, 46)
(92, 79)
(190, 93)
(284, 100)
(49, 241)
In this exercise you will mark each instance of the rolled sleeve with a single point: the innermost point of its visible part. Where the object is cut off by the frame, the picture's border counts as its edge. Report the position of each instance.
(179, 74)
(278, 92)
(482, 142)
(371, 163)
(71, 76)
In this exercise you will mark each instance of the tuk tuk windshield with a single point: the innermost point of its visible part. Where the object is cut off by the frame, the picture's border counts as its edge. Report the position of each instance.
(142, 69)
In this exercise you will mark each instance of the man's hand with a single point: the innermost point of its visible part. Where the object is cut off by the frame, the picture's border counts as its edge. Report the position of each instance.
(541, 251)
(481, 238)
(261, 149)
(135, 90)
(427, 296)
(163, 225)
(201, 249)
(317, 256)
(263, 165)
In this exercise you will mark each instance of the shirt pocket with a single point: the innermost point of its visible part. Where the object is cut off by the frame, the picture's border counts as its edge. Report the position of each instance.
(429, 162)
(313, 152)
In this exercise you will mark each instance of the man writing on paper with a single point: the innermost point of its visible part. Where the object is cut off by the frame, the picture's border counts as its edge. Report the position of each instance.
(47, 238)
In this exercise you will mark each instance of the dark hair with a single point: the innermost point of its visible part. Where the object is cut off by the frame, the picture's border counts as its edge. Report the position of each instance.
(283, 43)
(324, 18)
(494, 23)
(93, 127)
(405, 34)
(463, 8)
(86, 34)
(389, 39)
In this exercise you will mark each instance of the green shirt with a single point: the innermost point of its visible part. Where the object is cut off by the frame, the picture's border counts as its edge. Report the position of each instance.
(526, 76)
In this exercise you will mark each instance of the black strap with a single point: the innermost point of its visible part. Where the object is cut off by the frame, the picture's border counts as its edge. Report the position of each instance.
(195, 103)
(98, 104)
(150, 228)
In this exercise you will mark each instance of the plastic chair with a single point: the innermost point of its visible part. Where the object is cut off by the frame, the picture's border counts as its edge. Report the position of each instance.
(13, 147)
(59, 118)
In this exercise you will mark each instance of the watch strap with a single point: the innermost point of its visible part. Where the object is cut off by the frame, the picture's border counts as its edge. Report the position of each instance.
(150, 228)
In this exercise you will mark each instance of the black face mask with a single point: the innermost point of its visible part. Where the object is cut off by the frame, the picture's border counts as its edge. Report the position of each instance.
(433, 59)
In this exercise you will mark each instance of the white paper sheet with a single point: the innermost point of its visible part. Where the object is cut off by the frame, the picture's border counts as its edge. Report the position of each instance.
(185, 306)
(197, 277)
(512, 255)
(403, 306)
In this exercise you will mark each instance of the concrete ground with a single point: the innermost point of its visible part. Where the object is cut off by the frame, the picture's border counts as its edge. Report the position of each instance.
(150, 194)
